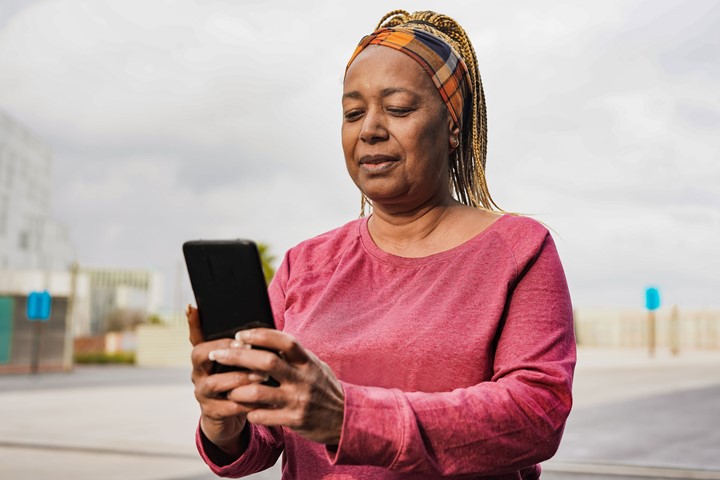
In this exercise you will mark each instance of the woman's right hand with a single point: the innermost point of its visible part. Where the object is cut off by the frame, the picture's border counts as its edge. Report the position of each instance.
(222, 421)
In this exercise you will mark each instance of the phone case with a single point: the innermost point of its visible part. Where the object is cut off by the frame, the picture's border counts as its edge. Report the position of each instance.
(229, 286)
(230, 290)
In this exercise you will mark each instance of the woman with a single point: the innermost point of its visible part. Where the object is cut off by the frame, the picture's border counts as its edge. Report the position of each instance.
(433, 338)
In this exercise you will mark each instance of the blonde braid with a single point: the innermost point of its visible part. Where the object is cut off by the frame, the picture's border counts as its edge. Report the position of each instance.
(467, 162)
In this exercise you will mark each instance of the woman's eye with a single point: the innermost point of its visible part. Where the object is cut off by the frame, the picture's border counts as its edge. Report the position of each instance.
(353, 115)
(399, 111)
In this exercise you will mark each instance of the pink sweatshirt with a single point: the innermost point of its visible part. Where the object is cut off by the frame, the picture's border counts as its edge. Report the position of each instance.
(455, 365)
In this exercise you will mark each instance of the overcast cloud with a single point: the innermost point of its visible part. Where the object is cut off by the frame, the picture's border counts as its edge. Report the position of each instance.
(173, 120)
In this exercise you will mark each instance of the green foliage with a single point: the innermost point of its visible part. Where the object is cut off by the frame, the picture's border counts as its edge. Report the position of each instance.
(103, 358)
(266, 259)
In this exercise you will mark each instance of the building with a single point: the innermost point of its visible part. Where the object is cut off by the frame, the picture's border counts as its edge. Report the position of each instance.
(48, 344)
(36, 254)
(117, 292)
(29, 237)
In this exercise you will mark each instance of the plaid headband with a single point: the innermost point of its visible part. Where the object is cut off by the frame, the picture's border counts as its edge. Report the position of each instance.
(446, 68)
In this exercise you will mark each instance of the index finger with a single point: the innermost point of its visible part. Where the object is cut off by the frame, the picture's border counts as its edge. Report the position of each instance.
(283, 343)
(200, 354)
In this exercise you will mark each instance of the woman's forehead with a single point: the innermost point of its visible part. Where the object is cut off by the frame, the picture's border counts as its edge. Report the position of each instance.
(384, 67)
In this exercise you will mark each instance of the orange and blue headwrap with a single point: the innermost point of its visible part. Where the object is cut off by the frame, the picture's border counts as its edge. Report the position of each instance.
(444, 66)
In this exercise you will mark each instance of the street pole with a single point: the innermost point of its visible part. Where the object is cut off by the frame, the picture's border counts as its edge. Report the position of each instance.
(68, 350)
(35, 354)
(674, 331)
(651, 332)
(652, 303)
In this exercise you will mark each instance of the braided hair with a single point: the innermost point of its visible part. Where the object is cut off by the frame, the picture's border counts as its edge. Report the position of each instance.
(467, 161)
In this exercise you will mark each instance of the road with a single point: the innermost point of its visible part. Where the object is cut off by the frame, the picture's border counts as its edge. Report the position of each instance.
(634, 418)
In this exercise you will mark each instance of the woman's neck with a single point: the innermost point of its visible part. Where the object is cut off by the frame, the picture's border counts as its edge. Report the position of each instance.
(412, 232)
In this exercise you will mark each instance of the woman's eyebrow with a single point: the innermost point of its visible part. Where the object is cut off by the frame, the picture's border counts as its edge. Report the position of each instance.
(355, 95)
(393, 90)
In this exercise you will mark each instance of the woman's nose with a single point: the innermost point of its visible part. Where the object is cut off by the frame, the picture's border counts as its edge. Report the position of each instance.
(373, 128)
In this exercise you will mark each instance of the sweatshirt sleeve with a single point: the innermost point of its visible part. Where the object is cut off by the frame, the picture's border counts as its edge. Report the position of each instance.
(264, 447)
(509, 423)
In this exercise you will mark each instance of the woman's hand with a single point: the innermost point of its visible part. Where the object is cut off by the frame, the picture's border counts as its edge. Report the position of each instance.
(309, 399)
(222, 420)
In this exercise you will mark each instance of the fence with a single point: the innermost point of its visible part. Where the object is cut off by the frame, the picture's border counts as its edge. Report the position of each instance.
(159, 345)
(674, 328)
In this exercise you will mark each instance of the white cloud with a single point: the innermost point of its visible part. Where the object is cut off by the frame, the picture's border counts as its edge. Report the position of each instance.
(187, 119)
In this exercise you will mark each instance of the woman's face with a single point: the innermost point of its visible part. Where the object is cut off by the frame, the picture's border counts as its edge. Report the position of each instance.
(396, 132)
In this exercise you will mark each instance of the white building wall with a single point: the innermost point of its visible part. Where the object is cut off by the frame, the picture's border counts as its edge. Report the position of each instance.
(29, 237)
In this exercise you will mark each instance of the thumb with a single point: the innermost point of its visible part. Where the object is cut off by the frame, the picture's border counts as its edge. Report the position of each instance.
(193, 319)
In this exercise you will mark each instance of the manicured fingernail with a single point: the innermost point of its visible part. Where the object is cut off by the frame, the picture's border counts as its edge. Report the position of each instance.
(239, 343)
(243, 335)
(218, 354)
(258, 377)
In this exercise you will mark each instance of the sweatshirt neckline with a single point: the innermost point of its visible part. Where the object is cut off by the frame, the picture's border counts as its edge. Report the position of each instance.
(372, 248)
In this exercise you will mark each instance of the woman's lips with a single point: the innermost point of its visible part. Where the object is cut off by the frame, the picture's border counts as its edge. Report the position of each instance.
(377, 163)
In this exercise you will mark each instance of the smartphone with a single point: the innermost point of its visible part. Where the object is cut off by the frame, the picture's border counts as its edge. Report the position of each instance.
(230, 289)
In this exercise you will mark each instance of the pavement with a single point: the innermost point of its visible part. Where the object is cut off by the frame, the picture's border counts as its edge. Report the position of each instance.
(635, 417)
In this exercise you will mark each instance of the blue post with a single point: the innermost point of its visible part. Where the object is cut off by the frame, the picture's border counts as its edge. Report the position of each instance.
(39, 306)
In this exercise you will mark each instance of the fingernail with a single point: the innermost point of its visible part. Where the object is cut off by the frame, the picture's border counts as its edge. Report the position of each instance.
(237, 344)
(243, 335)
(187, 310)
(218, 354)
(258, 377)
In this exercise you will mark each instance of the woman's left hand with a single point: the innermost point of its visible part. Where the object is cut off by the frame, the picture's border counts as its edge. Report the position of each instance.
(309, 399)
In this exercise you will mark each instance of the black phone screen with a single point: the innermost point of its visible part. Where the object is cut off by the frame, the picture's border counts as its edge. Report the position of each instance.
(229, 286)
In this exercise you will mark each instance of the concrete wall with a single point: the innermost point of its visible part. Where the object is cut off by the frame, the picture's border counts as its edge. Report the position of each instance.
(163, 346)
(627, 328)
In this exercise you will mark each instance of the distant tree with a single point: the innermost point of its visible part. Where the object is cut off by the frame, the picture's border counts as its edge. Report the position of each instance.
(266, 259)
(124, 319)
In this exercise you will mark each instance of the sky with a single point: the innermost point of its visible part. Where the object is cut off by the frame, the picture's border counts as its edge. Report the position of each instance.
(178, 120)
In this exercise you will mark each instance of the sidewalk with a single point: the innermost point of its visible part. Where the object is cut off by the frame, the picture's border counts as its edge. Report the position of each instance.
(637, 416)
(631, 412)
(610, 375)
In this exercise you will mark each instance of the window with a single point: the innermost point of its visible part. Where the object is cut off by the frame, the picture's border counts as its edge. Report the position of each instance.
(4, 208)
(24, 240)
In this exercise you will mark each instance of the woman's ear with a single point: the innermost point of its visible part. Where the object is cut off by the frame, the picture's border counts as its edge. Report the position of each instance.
(454, 136)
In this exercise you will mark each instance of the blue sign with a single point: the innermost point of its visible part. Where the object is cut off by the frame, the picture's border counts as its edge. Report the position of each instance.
(38, 306)
(652, 298)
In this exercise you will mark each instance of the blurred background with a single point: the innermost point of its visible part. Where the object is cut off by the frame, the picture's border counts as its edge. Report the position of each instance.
(128, 127)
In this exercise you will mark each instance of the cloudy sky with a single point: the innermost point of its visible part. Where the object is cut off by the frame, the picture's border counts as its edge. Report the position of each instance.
(175, 120)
